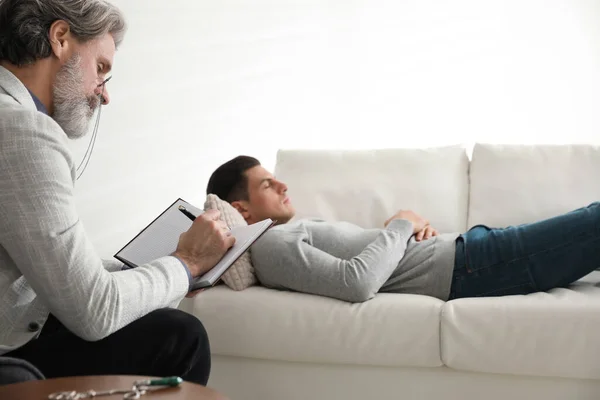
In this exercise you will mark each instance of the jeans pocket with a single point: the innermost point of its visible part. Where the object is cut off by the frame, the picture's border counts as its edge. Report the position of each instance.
(477, 251)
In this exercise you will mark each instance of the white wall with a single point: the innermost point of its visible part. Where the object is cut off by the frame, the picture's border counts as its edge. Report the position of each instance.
(197, 82)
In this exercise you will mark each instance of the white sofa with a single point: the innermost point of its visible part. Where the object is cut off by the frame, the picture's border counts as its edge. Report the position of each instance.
(270, 344)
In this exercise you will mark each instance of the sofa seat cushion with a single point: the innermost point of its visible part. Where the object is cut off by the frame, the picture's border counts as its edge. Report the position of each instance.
(388, 330)
(553, 334)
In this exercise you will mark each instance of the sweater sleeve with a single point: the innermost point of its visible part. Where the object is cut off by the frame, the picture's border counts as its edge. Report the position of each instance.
(285, 259)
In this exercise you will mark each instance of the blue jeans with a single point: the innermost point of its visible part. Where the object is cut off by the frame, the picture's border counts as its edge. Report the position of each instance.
(527, 258)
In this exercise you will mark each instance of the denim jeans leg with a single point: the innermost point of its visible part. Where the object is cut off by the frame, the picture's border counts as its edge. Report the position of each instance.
(530, 257)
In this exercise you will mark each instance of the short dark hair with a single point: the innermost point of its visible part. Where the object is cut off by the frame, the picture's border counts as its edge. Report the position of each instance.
(25, 24)
(229, 181)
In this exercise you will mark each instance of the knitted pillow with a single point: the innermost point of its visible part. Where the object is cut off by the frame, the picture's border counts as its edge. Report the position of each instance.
(241, 274)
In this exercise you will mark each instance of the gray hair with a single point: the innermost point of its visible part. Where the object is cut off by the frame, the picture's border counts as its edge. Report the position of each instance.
(25, 24)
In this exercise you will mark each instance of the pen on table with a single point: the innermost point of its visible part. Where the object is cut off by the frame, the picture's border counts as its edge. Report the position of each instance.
(187, 213)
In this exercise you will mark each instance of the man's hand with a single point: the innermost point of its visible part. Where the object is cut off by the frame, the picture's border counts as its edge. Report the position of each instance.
(426, 233)
(418, 223)
(205, 243)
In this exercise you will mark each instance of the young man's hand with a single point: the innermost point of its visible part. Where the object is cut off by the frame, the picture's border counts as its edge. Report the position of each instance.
(205, 243)
(418, 223)
(426, 233)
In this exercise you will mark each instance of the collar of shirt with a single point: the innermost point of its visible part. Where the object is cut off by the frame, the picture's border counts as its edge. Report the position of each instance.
(38, 104)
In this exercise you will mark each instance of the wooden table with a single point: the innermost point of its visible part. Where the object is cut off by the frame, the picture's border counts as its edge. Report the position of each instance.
(39, 390)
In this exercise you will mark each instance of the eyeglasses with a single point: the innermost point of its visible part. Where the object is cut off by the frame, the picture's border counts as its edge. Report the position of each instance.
(90, 149)
(103, 84)
(104, 81)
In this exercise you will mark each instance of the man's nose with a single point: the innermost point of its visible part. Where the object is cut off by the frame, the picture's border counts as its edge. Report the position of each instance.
(102, 91)
(282, 187)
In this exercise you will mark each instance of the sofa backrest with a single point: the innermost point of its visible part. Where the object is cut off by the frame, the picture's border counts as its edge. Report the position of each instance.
(514, 184)
(367, 187)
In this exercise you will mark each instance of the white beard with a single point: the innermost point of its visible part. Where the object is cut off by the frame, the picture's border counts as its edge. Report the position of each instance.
(73, 110)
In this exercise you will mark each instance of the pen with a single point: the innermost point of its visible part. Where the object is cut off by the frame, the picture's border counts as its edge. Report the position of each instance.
(187, 213)
(169, 381)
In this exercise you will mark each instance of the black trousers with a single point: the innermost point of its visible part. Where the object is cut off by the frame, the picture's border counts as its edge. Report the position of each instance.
(13, 370)
(166, 342)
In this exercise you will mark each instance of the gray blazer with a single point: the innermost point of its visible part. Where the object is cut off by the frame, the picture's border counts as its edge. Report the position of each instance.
(47, 262)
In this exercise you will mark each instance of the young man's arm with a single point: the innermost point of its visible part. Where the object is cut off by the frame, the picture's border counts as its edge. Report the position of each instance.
(285, 259)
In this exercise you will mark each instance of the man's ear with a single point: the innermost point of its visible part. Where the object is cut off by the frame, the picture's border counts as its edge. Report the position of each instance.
(61, 40)
(242, 208)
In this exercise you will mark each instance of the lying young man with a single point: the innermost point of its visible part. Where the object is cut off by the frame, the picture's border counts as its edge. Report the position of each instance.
(347, 262)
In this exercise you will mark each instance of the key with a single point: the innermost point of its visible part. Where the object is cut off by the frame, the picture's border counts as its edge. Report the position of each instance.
(139, 389)
(73, 395)
(92, 393)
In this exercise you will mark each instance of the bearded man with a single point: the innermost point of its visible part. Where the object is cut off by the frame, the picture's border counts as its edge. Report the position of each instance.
(63, 308)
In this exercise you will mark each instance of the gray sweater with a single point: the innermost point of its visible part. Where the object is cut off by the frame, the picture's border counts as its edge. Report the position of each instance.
(344, 261)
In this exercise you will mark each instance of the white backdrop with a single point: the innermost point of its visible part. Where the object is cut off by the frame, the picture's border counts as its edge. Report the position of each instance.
(198, 82)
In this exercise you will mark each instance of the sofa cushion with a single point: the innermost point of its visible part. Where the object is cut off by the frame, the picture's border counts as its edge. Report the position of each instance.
(552, 334)
(512, 184)
(389, 330)
(367, 187)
